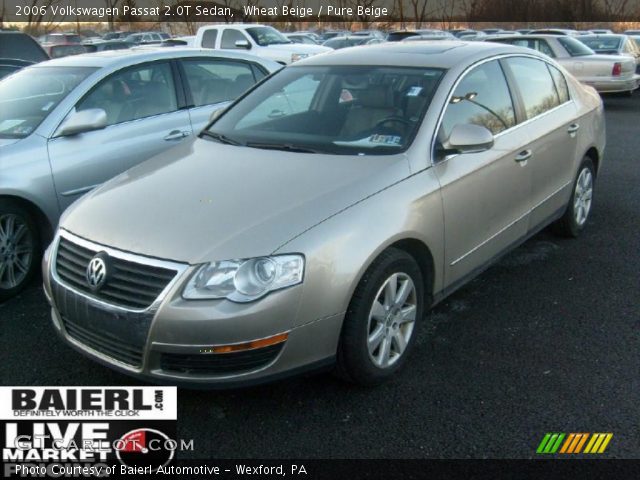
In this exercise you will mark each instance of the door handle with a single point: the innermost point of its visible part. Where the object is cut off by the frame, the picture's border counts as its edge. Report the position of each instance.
(176, 135)
(573, 128)
(523, 156)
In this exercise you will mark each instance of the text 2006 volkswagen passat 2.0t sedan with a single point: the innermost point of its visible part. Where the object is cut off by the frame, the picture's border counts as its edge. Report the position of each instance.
(316, 219)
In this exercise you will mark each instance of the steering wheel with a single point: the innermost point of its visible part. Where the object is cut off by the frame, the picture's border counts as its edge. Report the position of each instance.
(393, 119)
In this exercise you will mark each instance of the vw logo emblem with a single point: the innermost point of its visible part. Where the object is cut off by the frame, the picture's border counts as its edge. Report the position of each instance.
(97, 272)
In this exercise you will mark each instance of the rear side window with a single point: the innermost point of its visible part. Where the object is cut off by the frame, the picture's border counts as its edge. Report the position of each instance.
(560, 83)
(535, 84)
(481, 98)
(533, 43)
(209, 38)
(230, 37)
(22, 47)
(215, 81)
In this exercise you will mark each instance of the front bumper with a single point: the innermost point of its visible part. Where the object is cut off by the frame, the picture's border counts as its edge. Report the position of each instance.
(177, 341)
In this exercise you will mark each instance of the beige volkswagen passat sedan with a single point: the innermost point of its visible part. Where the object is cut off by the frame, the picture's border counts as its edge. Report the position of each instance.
(316, 220)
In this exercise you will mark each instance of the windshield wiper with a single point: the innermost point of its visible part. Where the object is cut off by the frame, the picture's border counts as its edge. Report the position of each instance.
(220, 138)
(282, 146)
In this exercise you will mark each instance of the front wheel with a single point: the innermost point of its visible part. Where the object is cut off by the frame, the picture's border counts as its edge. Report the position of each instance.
(575, 217)
(19, 248)
(380, 326)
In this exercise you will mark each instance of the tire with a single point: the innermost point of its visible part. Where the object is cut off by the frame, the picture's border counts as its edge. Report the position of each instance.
(19, 248)
(375, 345)
(580, 204)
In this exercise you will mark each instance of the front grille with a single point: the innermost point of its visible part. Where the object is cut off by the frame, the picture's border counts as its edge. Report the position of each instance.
(130, 284)
(220, 363)
(113, 346)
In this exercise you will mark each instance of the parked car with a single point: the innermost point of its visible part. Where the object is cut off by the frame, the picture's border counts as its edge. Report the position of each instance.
(428, 37)
(328, 34)
(351, 41)
(260, 40)
(144, 38)
(461, 32)
(301, 38)
(70, 124)
(18, 50)
(60, 38)
(107, 45)
(369, 33)
(613, 45)
(554, 31)
(317, 219)
(601, 31)
(492, 31)
(398, 36)
(606, 73)
(58, 50)
(11, 65)
(632, 32)
(472, 36)
(115, 35)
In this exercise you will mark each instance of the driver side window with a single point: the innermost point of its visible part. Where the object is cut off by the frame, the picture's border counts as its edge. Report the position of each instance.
(134, 93)
(481, 98)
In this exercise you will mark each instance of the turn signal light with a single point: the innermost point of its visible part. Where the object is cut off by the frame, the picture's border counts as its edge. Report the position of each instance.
(617, 69)
(239, 347)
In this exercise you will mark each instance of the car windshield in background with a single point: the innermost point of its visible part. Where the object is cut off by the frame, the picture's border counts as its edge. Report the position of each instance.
(27, 97)
(602, 44)
(350, 110)
(574, 47)
(264, 36)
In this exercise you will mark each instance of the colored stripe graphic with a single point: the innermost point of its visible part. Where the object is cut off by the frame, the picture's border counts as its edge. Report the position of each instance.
(550, 443)
(573, 443)
(598, 443)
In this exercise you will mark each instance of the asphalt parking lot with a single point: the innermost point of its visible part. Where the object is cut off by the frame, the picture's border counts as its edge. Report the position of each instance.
(548, 340)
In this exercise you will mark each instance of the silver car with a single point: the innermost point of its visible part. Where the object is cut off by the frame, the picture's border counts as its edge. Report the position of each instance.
(605, 73)
(70, 124)
(315, 221)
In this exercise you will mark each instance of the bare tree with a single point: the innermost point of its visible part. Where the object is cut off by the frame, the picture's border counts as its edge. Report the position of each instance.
(111, 5)
(41, 20)
(616, 9)
(419, 11)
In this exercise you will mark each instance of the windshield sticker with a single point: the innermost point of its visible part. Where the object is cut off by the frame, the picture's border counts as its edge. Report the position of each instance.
(26, 130)
(414, 91)
(9, 124)
(374, 141)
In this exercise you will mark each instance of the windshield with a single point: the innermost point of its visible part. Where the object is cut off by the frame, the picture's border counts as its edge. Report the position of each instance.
(574, 47)
(602, 44)
(264, 36)
(27, 97)
(350, 110)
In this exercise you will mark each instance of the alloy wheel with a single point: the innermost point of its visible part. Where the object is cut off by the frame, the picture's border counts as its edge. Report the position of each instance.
(582, 196)
(391, 320)
(16, 250)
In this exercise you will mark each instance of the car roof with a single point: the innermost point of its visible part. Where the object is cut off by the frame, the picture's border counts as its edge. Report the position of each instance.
(442, 54)
(116, 58)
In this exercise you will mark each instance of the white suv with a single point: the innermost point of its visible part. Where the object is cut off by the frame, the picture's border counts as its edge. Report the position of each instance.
(261, 40)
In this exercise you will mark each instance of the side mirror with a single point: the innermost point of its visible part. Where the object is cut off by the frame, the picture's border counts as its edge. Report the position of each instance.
(243, 44)
(469, 138)
(216, 113)
(83, 121)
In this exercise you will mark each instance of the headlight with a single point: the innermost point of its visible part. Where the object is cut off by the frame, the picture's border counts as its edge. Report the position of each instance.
(298, 56)
(244, 280)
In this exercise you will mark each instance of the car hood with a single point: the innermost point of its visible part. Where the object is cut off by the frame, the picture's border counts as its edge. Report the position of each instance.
(205, 201)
